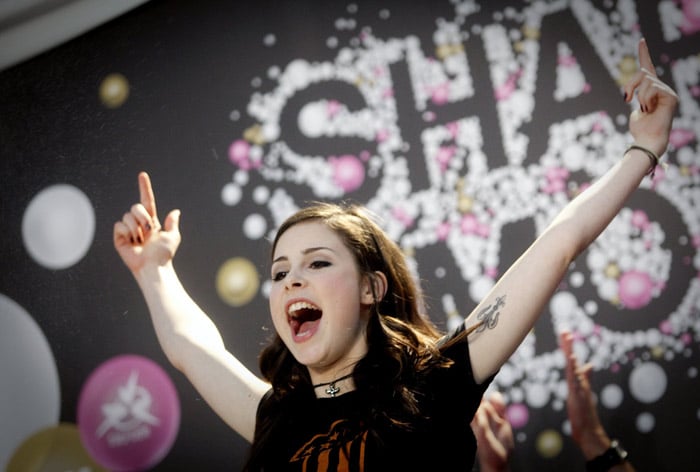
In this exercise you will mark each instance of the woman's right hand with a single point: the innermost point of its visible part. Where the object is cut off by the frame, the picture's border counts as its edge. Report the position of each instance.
(138, 236)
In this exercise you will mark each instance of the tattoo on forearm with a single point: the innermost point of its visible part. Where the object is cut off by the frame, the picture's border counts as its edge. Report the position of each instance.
(488, 317)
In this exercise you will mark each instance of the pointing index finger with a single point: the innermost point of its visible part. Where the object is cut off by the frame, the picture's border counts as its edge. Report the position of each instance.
(645, 57)
(148, 200)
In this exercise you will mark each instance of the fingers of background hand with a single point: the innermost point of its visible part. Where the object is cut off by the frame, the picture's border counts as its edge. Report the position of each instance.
(584, 374)
(566, 340)
(148, 199)
(492, 416)
(480, 422)
(493, 429)
(484, 437)
(495, 415)
(498, 404)
(570, 371)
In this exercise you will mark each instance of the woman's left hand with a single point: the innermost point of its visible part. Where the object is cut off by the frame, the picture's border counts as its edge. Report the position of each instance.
(650, 124)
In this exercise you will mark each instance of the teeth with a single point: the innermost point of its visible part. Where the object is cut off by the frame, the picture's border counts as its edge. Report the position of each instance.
(294, 307)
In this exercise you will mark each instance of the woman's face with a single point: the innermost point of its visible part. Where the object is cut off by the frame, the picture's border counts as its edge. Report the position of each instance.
(318, 301)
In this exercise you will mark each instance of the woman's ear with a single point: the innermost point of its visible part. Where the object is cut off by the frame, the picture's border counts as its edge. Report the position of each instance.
(374, 288)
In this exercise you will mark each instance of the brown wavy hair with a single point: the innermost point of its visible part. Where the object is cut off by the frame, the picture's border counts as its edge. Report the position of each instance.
(402, 341)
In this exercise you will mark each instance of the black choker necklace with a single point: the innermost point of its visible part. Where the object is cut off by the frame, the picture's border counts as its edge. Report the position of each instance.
(332, 389)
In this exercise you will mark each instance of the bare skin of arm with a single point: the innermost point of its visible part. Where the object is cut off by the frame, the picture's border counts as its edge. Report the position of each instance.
(186, 334)
(513, 305)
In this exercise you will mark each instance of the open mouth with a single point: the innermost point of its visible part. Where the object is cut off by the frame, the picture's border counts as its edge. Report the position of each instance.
(303, 318)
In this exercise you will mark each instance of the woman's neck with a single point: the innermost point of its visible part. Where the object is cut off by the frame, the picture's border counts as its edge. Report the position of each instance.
(336, 386)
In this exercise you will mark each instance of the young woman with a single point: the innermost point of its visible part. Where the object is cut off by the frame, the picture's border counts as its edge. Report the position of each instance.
(357, 378)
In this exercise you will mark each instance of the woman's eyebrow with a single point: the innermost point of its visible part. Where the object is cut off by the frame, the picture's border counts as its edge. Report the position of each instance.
(305, 252)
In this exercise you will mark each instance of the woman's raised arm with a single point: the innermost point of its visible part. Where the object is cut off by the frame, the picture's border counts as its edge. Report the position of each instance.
(513, 305)
(188, 337)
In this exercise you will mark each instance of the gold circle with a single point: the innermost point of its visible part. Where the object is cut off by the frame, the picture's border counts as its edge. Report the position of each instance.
(531, 32)
(612, 271)
(549, 443)
(114, 90)
(465, 204)
(237, 281)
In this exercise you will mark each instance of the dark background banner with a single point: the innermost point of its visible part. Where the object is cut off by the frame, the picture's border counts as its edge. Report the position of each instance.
(465, 126)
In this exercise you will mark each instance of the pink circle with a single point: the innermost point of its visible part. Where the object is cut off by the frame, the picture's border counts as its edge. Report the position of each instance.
(239, 152)
(635, 289)
(518, 415)
(680, 137)
(469, 224)
(443, 231)
(348, 172)
(640, 219)
(691, 17)
(666, 327)
(440, 94)
(444, 156)
(128, 413)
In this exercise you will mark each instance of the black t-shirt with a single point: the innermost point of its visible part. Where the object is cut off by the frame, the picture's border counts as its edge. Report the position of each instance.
(328, 434)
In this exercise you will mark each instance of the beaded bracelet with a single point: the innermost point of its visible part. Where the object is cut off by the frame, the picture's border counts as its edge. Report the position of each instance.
(653, 158)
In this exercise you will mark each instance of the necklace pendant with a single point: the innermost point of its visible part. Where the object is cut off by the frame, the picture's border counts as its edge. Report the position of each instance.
(332, 390)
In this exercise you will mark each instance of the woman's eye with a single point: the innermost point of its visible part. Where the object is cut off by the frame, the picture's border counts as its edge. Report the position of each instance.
(277, 276)
(319, 264)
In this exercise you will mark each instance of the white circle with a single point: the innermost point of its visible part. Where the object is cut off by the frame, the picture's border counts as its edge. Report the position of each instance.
(269, 40)
(645, 422)
(273, 72)
(231, 194)
(453, 322)
(590, 307)
(31, 396)
(266, 287)
(261, 194)
(566, 427)
(480, 287)
(563, 304)
(58, 226)
(577, 279)
(270, 132)
(537, 395)
(254, 226)
(241, 177)
(647, 382)
(312, 119)
(611, 396)
(573, 156)
(297, 73)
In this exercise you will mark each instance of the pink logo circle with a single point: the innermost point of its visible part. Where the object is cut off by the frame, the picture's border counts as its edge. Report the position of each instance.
(348, 172)
(128, 413)
(635, 289)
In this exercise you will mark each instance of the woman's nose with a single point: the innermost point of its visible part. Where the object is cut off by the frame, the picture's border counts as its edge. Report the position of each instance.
(294, 280)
